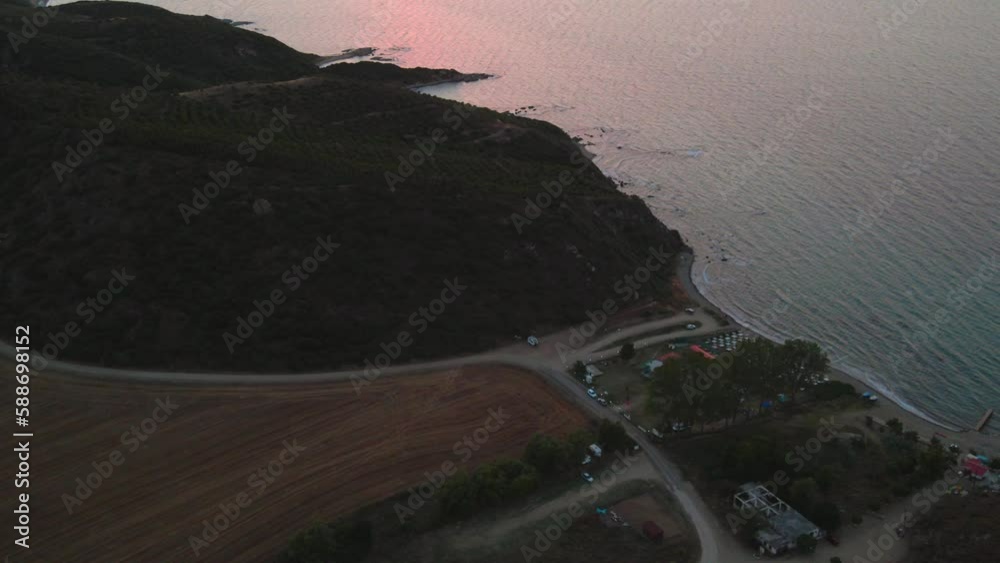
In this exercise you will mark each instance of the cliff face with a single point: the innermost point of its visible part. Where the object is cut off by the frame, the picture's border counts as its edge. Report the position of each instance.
(355, 200)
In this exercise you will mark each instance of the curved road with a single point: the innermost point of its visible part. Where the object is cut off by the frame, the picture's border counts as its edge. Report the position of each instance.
(544, 360)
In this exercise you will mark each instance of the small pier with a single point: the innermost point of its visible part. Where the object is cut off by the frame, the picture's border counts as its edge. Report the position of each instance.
(982, 421)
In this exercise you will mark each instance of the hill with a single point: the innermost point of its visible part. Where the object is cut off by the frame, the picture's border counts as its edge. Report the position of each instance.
(958, 529)
(207, 161)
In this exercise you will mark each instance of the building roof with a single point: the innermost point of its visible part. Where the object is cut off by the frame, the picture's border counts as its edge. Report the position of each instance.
(975, 466)
(703, 352)
(791, 525)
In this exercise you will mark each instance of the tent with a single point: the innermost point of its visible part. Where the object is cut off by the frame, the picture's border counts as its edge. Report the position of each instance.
(975, 466)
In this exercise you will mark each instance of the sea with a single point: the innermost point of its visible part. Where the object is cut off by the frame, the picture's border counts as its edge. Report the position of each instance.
(834, 164)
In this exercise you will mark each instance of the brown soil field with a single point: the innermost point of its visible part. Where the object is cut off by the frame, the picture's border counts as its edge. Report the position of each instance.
(357, 450)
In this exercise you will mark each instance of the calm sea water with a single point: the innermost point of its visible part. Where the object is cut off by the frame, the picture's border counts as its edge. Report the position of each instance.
(834, 164)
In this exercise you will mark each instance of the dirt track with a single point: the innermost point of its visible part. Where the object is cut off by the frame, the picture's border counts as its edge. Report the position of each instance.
(357, 450)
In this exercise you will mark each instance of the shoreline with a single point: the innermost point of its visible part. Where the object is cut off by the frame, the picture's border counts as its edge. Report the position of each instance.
(887, 406)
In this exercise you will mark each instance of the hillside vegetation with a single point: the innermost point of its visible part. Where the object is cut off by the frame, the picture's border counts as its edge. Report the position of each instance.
(958, 529)
(300, 155)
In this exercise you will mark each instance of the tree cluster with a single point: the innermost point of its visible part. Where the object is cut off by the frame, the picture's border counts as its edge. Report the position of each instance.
(693, 389)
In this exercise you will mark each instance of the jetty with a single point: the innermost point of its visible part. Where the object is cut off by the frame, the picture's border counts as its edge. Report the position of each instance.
(982, 421)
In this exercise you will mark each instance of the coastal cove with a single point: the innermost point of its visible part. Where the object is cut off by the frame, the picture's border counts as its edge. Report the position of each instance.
(801, 176)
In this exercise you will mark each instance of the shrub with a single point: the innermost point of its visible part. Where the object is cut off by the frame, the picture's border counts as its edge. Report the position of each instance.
(322, 542)
(627, 352)
(806, 543)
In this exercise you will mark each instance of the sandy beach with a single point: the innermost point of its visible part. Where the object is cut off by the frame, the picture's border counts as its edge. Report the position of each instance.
(885, 409)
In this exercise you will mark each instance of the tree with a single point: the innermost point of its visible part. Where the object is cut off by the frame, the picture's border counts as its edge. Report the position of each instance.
(836, 560)
(802, 364)
(806, 543)
(803, 493)
(613, 437)
(933, 462)
(826, 476)
(895, 425)
(576, 444)
(755, 370)
(579, 370)
(826, 515)
(546, 454)
(323, 543)
(627, 351)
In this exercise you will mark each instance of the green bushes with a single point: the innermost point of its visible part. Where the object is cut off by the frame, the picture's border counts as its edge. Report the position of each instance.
(325, 543)
(830, 390)
(490, 485)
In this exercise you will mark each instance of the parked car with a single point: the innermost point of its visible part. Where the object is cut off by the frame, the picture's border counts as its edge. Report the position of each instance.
(603, 401)
(833, 539)
(592, 393)
(586, 460)
(691, 326)
(689, 310)
(587, 477)
(679, 427)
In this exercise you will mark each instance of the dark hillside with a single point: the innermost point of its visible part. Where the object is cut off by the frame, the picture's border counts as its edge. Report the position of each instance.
(964, 529)
(132, 204)
(112, 43)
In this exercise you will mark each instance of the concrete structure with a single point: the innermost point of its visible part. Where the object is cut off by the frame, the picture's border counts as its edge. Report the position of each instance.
(785, 524)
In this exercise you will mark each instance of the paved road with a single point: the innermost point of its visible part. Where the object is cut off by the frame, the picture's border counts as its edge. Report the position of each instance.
(544, 360)
(549, 360)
